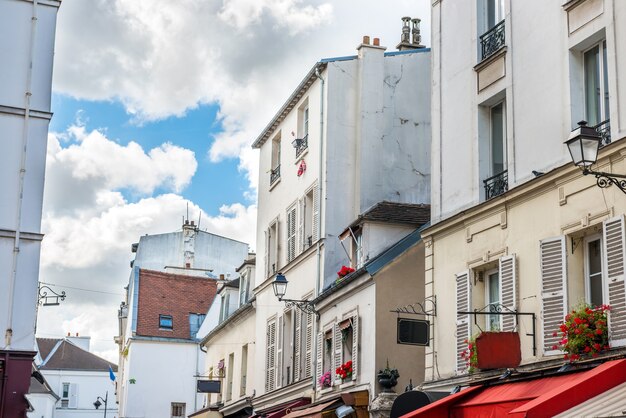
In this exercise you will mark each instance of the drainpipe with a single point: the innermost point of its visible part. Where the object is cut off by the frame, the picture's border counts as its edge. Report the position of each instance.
(20, 192)
(322, 230)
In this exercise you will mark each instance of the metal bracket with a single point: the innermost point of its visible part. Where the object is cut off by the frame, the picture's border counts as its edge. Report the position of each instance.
(419, 308)
(49, 300)
(604, 180)
(305, 306)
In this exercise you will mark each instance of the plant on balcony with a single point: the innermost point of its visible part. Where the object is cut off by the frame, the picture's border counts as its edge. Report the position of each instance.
(324, 380)
(343, 272)
(388, 377)
(470, 355)
(345, 370)
(584, 332)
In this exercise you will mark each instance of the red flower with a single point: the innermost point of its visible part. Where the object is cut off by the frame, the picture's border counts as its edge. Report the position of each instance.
(599, 332)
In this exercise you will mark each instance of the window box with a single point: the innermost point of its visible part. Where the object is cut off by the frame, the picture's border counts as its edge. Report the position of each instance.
(498, 350)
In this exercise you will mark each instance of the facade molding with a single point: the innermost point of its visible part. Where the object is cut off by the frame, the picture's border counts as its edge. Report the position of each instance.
(18, 111)
(28, 236)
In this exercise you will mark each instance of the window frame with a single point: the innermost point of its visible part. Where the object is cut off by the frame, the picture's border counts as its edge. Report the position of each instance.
(162, 318)
(492, 171)
(586, 267)
(603, 108)
(487, 279)
(182, 406)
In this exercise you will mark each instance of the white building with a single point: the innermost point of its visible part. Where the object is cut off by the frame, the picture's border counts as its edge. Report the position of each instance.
(79, 378)
(171, 287)
(355, 132)
(26, 53)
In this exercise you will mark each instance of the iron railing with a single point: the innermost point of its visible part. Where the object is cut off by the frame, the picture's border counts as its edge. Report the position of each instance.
(604, 129)
(496, 185)
(492, 40)
(300, 144)
(275, 174)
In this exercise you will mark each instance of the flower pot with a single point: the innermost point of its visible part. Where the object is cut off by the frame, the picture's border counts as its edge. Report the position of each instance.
(387, 382)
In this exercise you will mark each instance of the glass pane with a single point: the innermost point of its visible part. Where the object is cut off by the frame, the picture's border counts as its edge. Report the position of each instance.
(494, 297)
(592, 86)
(595, 290)
(491, 14)
(498, 159)
(594, 265)
(595, 258)
(605, 75)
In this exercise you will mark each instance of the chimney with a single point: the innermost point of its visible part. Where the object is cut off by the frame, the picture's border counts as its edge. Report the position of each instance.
(408, 42)
(366, 40)
(371, 47)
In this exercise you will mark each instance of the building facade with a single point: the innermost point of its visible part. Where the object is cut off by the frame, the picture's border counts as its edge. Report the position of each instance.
(518, 232)
(355, 132)
(26, 51)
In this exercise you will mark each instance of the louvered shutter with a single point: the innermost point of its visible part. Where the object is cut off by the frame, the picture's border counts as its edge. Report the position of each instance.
(316, 214)
(297, 342)
(270, 356)
(463, 327)
(319, 354)
(508, 291)
(73, 396)
(553, 290)
(267, 253)
(614, 261)
(308, 346)
(277, 247)
(279, 353)
(301, 214)
(291, 234)
(337, 348)
(355, 345)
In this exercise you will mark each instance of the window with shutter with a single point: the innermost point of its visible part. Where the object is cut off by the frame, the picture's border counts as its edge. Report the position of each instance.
(279, 353)
(301, 222)
(291, 233)
(614, 260)
(316, 214)
(319, 367)
(270, 357)
(355, 344)
(508, 291)
(337, 349)
(463, 329)
(308, 346)
(553, 290)
(73, 398)
(297, 345)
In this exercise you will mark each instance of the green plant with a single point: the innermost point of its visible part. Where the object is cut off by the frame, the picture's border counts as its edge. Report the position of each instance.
(388, 372)
(584, 332)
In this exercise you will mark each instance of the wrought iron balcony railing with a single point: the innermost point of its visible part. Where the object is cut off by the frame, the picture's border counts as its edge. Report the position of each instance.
(275, 174)
(300, 144)
(604, 129)
(496, 185)
(492, 40)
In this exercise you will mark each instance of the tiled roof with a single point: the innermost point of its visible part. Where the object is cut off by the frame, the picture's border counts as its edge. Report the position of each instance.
(399, 213)
(46, 345)
(232, 283)
(67, 356)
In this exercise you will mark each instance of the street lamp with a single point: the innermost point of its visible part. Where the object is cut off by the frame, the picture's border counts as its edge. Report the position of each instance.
(583, 145)
(98, 404)
(280, 288)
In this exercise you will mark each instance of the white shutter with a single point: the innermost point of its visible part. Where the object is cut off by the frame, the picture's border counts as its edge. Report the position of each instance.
(276, 248)
(291, 234)
(270, 357)
(316, 214)
(463, 325)
(337, 348)
(355, 345)
(319, 367)
(297, 342)
(279, 353)
(308, 346)
(508, 293)
(73, 396)
(614, 261)
(267, 253)
(301, 215)
(553, 290)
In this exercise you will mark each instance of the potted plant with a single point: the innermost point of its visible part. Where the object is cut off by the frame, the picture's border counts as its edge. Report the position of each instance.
(324, 380)
(470, 355)
(343, 272)
(345, 371)
(388, 377)
(584, 332)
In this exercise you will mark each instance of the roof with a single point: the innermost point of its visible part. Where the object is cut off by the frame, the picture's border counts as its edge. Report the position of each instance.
(399, 213)
(67, 356)
(40, 387)
(232, 283)
(46, 345)
(243, 308)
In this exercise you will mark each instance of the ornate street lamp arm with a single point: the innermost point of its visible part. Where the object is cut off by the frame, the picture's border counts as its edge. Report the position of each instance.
(604, 180)
(304, 305)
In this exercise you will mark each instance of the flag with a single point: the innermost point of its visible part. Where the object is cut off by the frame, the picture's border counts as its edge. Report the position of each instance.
(111, 375)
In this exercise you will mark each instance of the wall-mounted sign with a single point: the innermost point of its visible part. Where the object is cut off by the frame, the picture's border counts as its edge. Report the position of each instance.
(209, 386)
(413, 331)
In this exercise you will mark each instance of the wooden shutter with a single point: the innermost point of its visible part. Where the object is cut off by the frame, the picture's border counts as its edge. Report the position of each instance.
(267, 253)
(279, 353)
(553, 290)
(301, 215)
(355, 345)
(337, 348)
(614, 257)
(73, 396)
(297, 339)
(291, 234)
(316, 214)
(463, 324)
(319, 354)
(270, 357)
(277, 247)
(308, 346)
(508, 291)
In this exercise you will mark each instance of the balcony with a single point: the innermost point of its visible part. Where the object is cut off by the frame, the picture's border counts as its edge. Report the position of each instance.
(301, 144)
(496, 185)
(604, 129)
(275, 174)
(492, 40)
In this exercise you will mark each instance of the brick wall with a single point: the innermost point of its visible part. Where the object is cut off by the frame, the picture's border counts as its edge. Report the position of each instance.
(171, 294)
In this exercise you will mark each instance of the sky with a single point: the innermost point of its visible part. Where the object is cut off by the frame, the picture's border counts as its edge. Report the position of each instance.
(156, 103)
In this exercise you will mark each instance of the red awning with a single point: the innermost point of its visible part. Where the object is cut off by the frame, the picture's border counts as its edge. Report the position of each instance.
(282, 410)
(542, 397)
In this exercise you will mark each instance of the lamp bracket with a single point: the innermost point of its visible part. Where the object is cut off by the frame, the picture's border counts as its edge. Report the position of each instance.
(305, 306)
(427, 308)
(50, 300)
(604, 180)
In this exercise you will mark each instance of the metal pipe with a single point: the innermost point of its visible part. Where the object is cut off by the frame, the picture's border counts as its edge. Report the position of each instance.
(20, 192)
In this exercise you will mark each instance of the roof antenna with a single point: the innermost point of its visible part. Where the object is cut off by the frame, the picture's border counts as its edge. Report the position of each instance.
(187, 210)
(199, 218)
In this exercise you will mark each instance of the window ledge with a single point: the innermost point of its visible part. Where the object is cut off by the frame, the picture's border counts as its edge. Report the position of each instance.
(301, 156)
(326, 390)
(491, 58)
(274, 183)
(347, 384)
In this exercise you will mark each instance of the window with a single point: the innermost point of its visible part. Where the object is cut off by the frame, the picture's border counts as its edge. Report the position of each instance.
(291, 233)
(308, 229)
(271, 249)
(490, 27)
(244, 288)
(65, 395)
(496, 182)
(195, 321)
(596, 84)
(494, 12)
(275, 162)
(224, 309)
(270, 356)
(69, 395)
(338, 344)
(166, 322)
(493, 299)
(301, 142)
(244, 370)
(593, 270)
(229, 380)
(178, 410)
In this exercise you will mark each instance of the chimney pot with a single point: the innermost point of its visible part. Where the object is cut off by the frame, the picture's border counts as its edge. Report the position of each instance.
(376, 41)
(187, 265)
(77, 334)
(68, 334)
(417, 37)
(192, 223)
(221, 277)
(366, 40)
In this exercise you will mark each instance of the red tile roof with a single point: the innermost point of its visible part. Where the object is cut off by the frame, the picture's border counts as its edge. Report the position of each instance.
(70, 357)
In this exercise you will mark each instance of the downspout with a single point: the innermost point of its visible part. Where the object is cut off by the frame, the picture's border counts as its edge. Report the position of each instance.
(319, 214)
(20, 192)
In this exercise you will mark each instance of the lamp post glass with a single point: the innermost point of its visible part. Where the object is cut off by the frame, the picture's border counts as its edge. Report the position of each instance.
(583, 144)
(280, 286)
